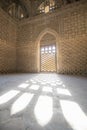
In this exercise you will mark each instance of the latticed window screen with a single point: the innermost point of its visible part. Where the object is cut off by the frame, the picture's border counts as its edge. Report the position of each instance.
(48, 58)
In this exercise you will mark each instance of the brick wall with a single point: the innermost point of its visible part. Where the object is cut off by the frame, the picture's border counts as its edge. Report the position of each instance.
(20, 41)
(48, 39)
(70, 25)
(7, 43)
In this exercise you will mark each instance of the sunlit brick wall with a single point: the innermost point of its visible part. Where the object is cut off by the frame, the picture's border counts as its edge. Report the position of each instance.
(70, 23)
(7, 44)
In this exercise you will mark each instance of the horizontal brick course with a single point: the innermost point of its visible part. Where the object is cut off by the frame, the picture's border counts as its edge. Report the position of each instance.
(20, 40)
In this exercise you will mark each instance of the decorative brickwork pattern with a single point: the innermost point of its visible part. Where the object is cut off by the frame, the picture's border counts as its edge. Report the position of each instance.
(7, 44)
(20, 41)
(70, 24)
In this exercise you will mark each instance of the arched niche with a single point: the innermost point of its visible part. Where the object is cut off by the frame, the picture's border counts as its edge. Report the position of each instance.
(38, 41)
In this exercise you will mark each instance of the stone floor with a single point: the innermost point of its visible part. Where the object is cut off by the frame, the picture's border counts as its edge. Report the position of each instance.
(43, 102)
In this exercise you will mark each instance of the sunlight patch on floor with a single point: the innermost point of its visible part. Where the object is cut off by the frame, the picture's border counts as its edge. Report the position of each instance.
(44, 110)
(8, 96)
(21, 103)
(24, 85)
(59, 82)
(34, 87)
(53, 84)
(63, 91)
(47, 89)
(74, 115)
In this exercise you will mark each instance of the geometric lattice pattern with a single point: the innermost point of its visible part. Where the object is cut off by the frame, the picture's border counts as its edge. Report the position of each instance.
(48, 58)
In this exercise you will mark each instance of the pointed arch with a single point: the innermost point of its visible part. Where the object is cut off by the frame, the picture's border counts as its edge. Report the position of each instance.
(45, 31)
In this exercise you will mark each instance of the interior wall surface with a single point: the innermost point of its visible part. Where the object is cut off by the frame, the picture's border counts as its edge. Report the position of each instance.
(69, 26)
(7, 43)
(20, 41)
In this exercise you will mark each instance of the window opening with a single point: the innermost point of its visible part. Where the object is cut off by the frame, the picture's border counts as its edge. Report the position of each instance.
(48, 58)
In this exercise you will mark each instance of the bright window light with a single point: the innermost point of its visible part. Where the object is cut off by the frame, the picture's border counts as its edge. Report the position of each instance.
(53, 48)
(44, 110)
(24, 85)
(49, 51)
(42, 49)
(46, 48)
(74, 115)
(34, 87)
(8, 96)
(47, 9)
(63, 91)
(50, 48)
(47, 89)
(22, 15)
(21, 103)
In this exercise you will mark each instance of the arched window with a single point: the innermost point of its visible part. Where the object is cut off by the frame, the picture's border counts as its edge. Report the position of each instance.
(47, 6)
